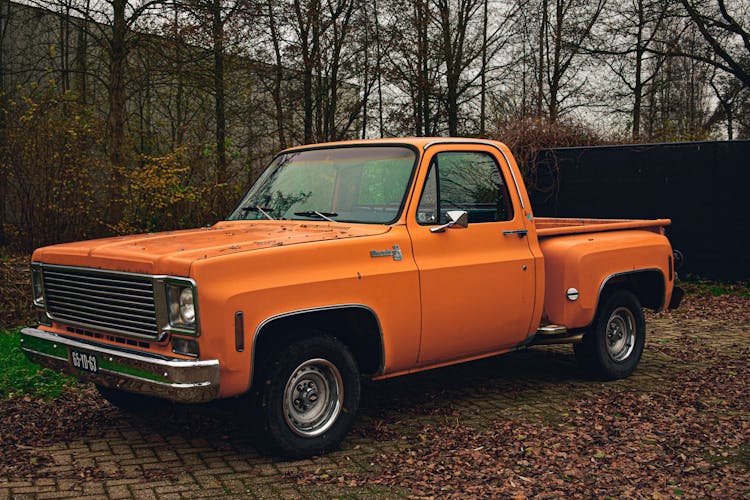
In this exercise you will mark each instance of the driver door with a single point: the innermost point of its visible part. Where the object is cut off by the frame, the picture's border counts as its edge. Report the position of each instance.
(476, 283)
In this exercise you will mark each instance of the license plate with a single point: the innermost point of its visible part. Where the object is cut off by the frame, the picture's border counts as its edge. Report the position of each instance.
(84, 361)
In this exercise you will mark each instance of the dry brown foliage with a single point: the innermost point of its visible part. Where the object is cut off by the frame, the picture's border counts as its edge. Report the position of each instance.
(15, 291)
(57, 186)
(530, 137)
(684, 436)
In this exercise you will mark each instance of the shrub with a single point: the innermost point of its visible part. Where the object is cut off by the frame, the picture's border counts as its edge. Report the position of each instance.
(527, 138)
(50, 168)
(156, 196)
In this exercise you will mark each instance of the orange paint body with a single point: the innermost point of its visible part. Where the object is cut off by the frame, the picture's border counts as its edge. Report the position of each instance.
(453, 296)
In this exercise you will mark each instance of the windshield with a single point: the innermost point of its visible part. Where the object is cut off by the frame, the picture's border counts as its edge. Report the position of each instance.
(352, 184)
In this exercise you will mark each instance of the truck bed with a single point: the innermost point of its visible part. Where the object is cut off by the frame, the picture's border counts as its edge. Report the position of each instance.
(551, 226)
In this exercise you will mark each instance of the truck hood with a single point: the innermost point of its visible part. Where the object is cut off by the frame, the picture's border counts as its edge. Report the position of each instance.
(173, 252)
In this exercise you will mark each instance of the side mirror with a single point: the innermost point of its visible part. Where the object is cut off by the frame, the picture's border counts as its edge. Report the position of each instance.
(456, 218)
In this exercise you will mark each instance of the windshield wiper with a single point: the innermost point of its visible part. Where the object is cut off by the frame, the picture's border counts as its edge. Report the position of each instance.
(258, 208)
(314, 213)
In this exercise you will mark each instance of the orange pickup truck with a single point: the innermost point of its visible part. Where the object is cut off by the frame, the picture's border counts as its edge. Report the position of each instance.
(366, 258)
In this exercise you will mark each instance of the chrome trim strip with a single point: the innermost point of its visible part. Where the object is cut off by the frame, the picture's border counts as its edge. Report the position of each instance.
(484, 143)
(96, 269)
(265, 322)
(176, 280)
(36, 270)
(634, 271)
(186, 381)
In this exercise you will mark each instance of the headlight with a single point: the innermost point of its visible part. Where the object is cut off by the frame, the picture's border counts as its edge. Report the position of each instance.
(181, 306)
(36, 286)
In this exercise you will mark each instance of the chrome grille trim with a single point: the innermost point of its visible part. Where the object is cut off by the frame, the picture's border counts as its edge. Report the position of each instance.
(107, 301)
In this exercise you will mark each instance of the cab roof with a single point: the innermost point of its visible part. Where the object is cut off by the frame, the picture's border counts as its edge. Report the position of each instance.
(420, 143)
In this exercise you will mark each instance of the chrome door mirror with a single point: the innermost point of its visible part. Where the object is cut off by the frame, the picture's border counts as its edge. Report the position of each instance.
(456, 218)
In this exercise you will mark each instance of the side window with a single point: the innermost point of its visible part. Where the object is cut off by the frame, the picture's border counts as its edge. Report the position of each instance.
(469, 181)
(428, 210)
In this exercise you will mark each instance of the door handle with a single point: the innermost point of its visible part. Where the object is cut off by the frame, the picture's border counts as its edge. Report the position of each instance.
(520, 232)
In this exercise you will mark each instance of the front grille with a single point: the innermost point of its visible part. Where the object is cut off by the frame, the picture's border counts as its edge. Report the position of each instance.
(112, 302)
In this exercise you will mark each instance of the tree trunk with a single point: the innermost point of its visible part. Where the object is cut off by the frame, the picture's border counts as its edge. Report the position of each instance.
(424, 93)
(277, 77)
(81, 59)
(483, 100)
(638, 87)
(116, 121)
(318, 65)
(5, 7)
(540, 62)
(554, 84)
(378, 68)
(217, 31)
(178, 127)
(307, 70)
(65, 47)
(730, 120)
(366, 71)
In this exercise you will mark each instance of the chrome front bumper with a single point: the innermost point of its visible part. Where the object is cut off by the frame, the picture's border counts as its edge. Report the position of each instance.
(184, 381)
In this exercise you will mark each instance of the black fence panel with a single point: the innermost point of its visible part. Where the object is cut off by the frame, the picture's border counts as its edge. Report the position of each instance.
(704, 187)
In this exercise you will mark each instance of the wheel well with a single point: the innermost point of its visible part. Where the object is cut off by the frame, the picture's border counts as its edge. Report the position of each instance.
(357, 327)
(647, 285)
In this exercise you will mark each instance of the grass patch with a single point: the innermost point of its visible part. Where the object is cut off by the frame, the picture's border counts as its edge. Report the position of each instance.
(700, 288)
(19, 376)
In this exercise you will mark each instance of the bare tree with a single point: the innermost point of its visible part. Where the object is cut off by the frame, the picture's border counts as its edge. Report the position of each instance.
(461, 46)
(379, 67)
(278, 74)
(678, 104)
(5, 11)
(567, 29)
(410, 66)
(726, 29)
(109, 24)
(623, 46)
(213, 17)
(483, 71)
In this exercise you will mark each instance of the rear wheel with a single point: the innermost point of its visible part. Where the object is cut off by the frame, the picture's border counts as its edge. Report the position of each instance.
(309, 397)
(613, 344)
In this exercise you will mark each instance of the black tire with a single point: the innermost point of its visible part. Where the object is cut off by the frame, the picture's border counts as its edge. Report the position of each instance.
(309, 395)
(136, 404)
(613, 344)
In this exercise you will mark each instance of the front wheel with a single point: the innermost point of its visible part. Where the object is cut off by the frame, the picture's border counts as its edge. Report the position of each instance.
(309, 397)
(613, 344)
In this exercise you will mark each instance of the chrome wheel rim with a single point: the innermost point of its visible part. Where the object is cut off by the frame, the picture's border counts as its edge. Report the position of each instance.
(620, 334)
(313, 397)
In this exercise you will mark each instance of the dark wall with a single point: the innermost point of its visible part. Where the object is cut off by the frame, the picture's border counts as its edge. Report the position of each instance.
(704, 187)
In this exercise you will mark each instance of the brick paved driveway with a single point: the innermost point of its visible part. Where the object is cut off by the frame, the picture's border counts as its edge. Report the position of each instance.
(208, 450)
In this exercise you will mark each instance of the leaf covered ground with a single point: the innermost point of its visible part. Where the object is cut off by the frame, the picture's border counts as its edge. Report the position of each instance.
(691, 437)
(688, 435)
(527, 425)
